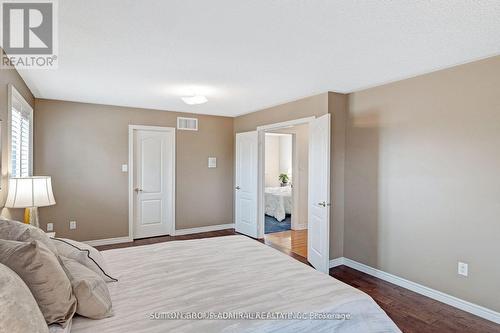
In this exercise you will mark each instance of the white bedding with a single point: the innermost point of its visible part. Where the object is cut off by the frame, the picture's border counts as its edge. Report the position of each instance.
(278, 202)
(231, 273)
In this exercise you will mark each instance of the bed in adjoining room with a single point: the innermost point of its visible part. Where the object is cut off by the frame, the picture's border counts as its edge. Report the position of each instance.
(221, 275)
(278, 202)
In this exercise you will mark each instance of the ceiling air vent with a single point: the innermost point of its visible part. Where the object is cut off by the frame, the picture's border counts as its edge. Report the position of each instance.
(187, 124)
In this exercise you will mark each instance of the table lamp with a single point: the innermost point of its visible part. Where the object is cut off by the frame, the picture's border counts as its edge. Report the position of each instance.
(30, 193)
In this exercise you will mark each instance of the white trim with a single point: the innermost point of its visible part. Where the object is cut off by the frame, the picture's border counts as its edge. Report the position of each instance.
(14, 93)
(131, 129)
(295, 220)
(285, 124)
(456, 302)
(108, 241)
(336, 262)
(277, 134)
(261, 181)
(180, 232)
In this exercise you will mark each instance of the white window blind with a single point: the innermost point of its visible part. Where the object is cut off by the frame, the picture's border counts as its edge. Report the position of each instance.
(21, 134)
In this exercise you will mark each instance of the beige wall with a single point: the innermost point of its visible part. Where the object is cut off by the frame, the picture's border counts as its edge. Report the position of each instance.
(338, 108)
(9, 76)
(278, 158)
(272, 161)
(310, 106)
(423, 181)
(318, 105)
(82, 146)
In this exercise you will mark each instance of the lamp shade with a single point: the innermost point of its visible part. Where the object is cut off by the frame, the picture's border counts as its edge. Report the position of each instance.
(30, 192)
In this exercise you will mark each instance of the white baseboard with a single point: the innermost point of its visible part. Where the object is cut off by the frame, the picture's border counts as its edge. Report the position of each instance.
(461, 304)
(336, 262)
(299, 227)
(108, 241)
(180, 232)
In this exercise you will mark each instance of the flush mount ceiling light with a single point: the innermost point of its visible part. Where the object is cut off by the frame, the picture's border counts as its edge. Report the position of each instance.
(195, 99)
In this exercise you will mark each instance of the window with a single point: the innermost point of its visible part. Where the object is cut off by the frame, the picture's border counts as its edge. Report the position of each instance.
(21, 135)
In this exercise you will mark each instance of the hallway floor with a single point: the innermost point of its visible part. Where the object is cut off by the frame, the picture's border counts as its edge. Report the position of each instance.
(294, 241)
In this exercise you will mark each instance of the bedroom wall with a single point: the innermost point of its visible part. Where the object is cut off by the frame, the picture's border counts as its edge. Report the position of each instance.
(82, 146)
(422, 180)
(272, 161)
(285, 154)
(9, 76)
(306, 107)
(338, 105)
(318, 105)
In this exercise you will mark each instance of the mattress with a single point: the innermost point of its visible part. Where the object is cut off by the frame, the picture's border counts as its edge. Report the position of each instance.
(278, 202)
(227, 276)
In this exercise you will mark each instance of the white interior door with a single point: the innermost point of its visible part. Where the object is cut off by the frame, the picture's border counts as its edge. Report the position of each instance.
(318, 233)
(246, 183)
(154, 160)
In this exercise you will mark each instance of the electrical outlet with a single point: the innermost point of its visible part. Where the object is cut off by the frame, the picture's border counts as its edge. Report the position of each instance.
(50, 226)
(72, 225)
(463, 269)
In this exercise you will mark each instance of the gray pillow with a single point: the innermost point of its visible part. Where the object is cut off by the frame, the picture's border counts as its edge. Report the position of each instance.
(17, 231)
(85, 255)
(91, 292)
(40, 269)
(20, 313)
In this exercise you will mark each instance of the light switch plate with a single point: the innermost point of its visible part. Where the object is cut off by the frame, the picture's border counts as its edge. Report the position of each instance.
(50, 226)
(124, 168)
(212, 162)
(72, 225)
(463, 269)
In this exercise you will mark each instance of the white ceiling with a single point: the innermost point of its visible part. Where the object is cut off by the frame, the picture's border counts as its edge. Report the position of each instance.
(248, 55)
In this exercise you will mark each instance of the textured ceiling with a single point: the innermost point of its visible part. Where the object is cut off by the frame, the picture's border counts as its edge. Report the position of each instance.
(247, 55)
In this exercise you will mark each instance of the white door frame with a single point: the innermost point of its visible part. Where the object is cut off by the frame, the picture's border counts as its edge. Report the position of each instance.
(261, 130)
(296, 224)
(131, 213)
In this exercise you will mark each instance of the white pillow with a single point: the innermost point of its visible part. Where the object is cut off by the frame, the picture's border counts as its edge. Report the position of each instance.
(21, 232)
(85, 255)
(19, 313)
(91, 292)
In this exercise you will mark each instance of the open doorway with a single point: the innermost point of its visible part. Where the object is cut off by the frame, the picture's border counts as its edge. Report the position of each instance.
(286, 188)
(250, 186)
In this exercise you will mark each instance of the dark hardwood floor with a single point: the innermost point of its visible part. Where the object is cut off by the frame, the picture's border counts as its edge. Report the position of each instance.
(412, 312)
(161, 239)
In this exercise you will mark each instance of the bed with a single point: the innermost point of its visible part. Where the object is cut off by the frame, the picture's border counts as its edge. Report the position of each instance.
(278, 202)
(230, 273)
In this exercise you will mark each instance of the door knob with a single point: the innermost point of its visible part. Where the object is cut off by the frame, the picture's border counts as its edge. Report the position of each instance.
(237, 187)
(138, 189)
(323, 204)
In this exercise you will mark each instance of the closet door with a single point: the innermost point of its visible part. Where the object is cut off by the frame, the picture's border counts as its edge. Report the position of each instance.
(246, 183)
